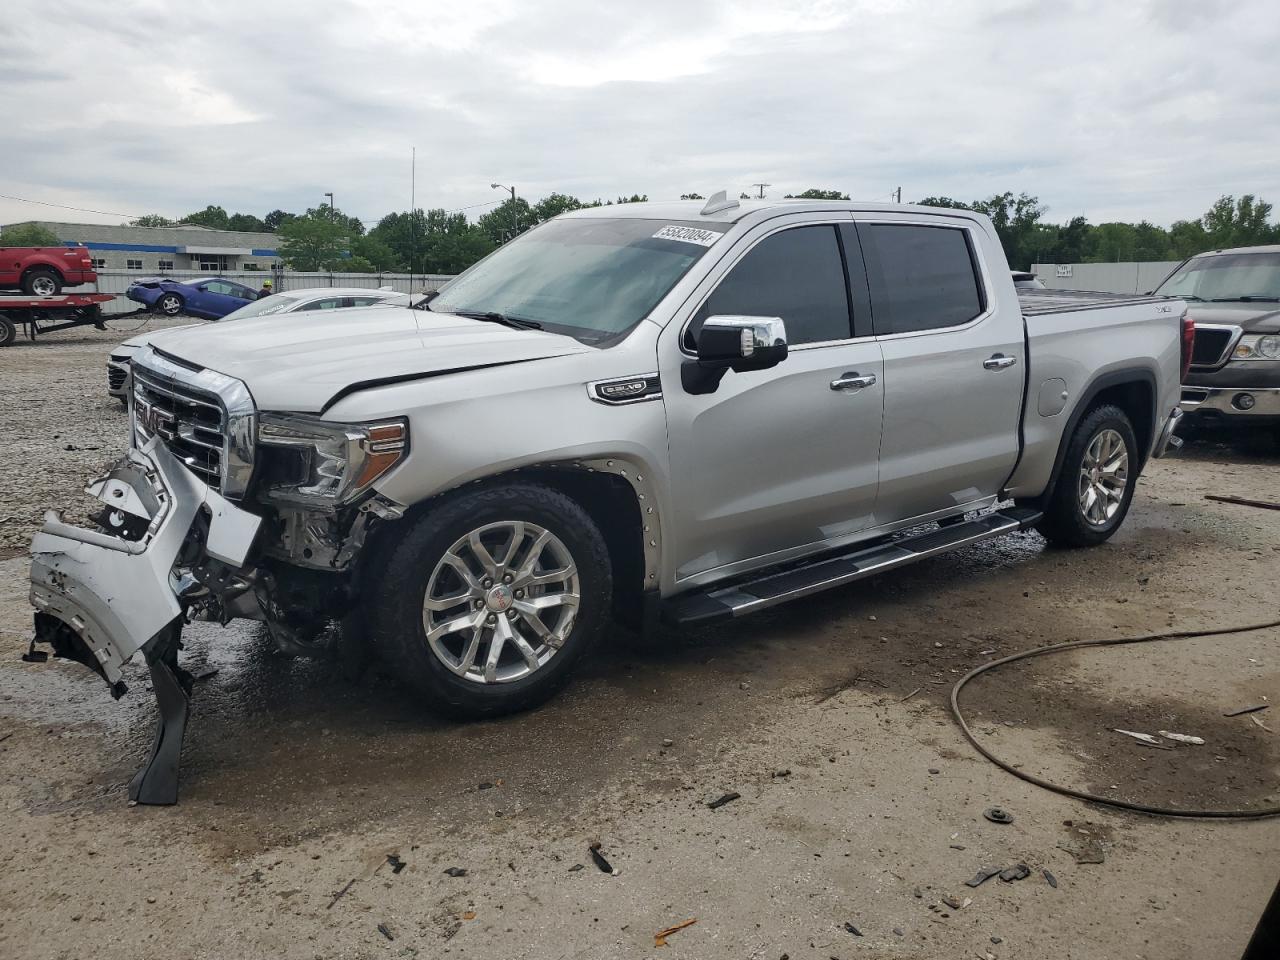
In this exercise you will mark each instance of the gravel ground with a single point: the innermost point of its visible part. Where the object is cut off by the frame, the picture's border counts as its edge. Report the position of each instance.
(860, 803)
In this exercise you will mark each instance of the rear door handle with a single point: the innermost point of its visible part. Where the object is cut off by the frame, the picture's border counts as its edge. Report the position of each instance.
(852, 381)
(999, 362)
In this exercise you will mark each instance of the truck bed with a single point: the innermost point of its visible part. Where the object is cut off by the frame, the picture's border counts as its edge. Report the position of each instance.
(1035, 303)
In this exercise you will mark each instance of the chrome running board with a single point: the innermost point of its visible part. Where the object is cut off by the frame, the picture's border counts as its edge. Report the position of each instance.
(791, 584)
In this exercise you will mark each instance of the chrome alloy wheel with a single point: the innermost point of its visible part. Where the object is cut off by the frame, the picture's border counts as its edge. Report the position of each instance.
(43, 287)
(501, 602)
(1104, 477)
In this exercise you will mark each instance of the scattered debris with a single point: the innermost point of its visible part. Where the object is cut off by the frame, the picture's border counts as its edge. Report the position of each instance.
(668, 742)
(600, 861)
(897, 932)
(1020, 872)
(852, 929)
(951, 902)
(205, 672)
(911, 694)
(1182, 737)
(486, 786)
(575, 868)
(998, 815)
(6, 736)
(382, 929)
(396, 863)
(934, 770)
(1144, 737)
(1083, 845)
(1239, 501)
(469, 915)
(982, 876)
(341, 893)
(1243, 710)
(966, 901)
(457, 871)
(780, 773)
(997, 939)
(1050, 879)
(919, 894)
(721, 801)
(660, 938)
(1258, 721)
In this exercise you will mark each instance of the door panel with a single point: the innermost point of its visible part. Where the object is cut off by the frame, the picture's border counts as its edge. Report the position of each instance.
(775, 463)
(951, 418)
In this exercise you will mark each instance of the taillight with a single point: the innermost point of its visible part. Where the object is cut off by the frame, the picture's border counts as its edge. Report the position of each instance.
(1188, 341)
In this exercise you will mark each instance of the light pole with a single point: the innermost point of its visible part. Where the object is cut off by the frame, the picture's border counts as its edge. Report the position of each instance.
(331, 210)
(515, 213)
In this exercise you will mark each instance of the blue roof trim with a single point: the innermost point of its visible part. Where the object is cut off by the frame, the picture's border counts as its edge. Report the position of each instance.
(265, 253)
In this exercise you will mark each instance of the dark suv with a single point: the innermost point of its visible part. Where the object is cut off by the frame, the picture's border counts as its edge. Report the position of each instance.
(1234, 297)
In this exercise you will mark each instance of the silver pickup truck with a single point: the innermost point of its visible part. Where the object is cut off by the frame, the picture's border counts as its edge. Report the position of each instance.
(630, 414)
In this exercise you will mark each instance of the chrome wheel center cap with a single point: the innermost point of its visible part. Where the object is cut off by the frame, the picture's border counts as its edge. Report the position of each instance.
(499, 598)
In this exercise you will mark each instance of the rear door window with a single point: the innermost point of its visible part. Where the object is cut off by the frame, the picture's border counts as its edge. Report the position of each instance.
(796, 274)
(921, 277)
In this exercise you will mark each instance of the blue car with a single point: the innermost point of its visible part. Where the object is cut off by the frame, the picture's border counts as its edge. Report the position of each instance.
(211, 297)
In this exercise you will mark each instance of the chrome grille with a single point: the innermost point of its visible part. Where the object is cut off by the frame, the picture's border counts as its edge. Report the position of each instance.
(191, 423)
(116, 376)
(1212, 344)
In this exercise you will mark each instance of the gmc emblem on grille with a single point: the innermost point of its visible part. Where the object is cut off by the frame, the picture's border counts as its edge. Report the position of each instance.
(152, 420)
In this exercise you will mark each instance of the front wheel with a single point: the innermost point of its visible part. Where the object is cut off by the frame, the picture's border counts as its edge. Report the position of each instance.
(1092, 495)
(42, 283)
(170, 304)
(487, 602)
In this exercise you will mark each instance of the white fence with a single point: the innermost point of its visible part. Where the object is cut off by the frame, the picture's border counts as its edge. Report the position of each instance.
(1129, 277)
(117, 282)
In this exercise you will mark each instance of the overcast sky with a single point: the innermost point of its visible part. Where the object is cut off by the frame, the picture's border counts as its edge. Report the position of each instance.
(1115, 110)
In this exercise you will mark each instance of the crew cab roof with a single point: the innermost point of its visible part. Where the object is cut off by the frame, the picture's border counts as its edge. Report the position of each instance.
(691, 210)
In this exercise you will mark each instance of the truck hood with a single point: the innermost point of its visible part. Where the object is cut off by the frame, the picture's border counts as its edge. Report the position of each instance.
(303, 362)
(1252, 317)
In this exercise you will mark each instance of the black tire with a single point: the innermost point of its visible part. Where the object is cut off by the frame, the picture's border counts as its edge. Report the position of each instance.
(1065, 523)
(170, 304)
(8, 331)
(395, 589)
(42, 283)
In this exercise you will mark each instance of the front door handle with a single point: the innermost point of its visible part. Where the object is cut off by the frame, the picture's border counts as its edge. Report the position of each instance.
(999, 362)
(851, 381)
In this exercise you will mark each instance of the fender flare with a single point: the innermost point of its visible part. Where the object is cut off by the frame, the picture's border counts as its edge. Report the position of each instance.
(1103, 381)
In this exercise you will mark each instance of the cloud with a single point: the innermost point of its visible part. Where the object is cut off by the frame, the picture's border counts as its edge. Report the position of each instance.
(1115, 111)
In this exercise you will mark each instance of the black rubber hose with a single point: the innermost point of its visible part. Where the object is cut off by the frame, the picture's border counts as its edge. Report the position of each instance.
(1080, 794)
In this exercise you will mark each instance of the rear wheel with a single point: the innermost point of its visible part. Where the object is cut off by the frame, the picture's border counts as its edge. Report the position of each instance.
(8, 331)
(170, 304)
(1092, 495)
(42, 283)
(485, 604)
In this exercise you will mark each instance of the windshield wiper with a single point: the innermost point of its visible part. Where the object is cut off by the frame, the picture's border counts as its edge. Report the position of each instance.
(493, 316)
(1245, 299)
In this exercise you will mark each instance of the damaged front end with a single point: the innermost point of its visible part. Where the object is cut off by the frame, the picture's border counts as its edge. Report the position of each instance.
(219, 512)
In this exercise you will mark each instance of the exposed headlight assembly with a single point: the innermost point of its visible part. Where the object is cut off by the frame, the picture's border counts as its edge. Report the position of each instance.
(333, 463)
(1258, 346)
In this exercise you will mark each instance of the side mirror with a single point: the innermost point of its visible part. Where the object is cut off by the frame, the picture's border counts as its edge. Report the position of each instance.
(734, 343)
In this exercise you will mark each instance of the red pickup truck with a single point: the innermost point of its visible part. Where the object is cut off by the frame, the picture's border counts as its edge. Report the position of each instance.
(44, 271)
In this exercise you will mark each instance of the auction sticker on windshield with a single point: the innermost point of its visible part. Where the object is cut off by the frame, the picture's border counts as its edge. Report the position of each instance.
(704, 238)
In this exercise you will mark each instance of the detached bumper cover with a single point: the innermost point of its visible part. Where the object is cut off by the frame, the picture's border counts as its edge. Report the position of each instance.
(116, 595)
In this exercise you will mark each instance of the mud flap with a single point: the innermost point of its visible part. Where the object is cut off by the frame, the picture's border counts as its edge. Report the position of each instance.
(157, 782)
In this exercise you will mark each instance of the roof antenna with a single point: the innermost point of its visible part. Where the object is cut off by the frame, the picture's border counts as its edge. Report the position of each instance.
(717, 202)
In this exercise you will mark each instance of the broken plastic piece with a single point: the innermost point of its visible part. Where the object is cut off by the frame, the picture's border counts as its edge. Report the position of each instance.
(382, 929)
(982, 876)
(660, 938)
(1020, 872)
(852, 929)
(600, 861)
(396, 863)
(1234, 713)
(1182, 737)
(1050, 879)
(998, 815)
(456, 871)
(721, 801)
(1144, 737)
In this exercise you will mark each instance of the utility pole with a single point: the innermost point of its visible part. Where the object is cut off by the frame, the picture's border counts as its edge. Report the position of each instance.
(331, 207)
(760, 188)
(898, 193)
(515, 213)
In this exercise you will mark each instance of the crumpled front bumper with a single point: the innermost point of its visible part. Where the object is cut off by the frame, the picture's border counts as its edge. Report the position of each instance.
(114, 595)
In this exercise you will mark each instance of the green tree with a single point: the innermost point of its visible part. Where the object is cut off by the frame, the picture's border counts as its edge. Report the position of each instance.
(635, 198)
(210, 216)
(1188, 238)
(506, 220)
(377, 254)
(352, 265)
(313, 242)
(944, 202)
(1238, 223)
(273, 219)
(28, 235)
(151, 220)
(692, 196)
(814, 193)
(553, 205)
(1015, 220)
(246, 222)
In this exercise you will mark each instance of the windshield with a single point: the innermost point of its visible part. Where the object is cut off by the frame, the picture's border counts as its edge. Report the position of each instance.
(589, 278)
(276, 303)
(1226, 276)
